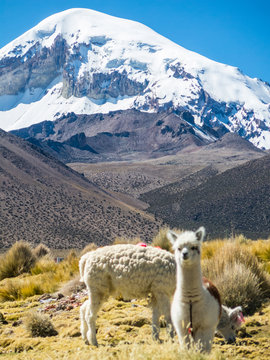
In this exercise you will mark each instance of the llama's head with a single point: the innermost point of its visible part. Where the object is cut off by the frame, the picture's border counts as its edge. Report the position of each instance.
(230, 321)
(187, 246)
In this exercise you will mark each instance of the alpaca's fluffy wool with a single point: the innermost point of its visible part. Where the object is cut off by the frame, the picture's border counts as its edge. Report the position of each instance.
(129, 270)
(133, 272)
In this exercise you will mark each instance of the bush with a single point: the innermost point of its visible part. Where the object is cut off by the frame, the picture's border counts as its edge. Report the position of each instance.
(39, 325)
(87, 248)
(18, 260)
(44, 265)
(72, 286)
(239, 286)
(41, 250)
(233, 269)
(161, 240)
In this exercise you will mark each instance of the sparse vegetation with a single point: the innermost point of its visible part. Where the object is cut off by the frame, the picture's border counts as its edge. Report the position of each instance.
(160, 240)
(89, 247)
(47, 277)
(18, 260)
(41, 250)
(39, 325)
(237, 274)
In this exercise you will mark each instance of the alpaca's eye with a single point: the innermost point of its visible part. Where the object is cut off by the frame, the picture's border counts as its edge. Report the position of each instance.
(179, 249)
(233, 328)
(194, 248)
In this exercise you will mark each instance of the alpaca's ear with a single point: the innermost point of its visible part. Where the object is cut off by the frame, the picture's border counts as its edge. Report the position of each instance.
(171, 236)
(200, 234)
(235, 312)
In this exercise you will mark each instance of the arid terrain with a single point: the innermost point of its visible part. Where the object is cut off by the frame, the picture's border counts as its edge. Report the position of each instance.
(42, 200)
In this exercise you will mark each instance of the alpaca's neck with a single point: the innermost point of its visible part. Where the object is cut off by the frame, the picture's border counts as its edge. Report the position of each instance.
(189, 282)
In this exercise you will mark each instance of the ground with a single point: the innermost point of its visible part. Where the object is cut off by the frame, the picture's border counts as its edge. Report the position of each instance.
(124, 332)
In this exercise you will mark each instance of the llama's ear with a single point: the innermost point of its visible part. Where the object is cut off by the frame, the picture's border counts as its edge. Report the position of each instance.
(200, 234)
(171, 236)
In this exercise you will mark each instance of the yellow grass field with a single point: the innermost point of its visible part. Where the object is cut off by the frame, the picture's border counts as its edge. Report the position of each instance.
(123, 328)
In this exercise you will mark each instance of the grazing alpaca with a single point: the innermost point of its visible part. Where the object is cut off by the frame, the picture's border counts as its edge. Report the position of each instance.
(230, 321)
(196, 306)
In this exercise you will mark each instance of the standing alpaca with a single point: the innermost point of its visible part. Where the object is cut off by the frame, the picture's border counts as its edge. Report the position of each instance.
(131, 271)
(196, 306)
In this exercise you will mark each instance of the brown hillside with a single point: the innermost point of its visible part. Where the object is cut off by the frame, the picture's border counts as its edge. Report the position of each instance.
(235, 201)
(42, 200)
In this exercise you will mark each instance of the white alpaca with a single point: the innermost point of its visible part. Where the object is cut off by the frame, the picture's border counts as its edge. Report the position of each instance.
(134, 271)
(196, 306)
(131, 271)
(230, 321)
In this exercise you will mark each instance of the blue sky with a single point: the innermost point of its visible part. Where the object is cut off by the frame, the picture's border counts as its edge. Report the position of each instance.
(232, 32)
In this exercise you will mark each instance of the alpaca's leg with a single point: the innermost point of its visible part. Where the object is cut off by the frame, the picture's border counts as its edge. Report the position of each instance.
(83, 316)
(95, 301)
(203, 339)
(155, 320)
(165, 309)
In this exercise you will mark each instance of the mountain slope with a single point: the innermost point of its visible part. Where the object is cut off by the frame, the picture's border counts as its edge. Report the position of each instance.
(119, 135)
(87, 62)
(235, 201)
(42, 200)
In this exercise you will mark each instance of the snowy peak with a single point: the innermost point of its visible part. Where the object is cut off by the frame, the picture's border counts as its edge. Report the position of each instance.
(87, 62)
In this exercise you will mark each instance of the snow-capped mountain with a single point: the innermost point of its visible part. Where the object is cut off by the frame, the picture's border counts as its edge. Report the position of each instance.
(86, 62)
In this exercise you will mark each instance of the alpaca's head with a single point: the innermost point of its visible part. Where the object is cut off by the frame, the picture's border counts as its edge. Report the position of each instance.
(187, 246)
(230, 321)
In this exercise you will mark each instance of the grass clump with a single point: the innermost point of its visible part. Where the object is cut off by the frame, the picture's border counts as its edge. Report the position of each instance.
(87, 248)
(39, 325)
(18, 260)
(161, 240)
(44, 265)
(46, 277)
(238, 275)
(73, 286)
(41, 250)
(239, 286)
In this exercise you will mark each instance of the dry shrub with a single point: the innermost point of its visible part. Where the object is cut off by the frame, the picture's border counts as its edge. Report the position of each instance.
(252, 280)
(21, 288)
(209, 248)
(239, 286)
(39, 325)
(88, 248)
(41, 250)
(44, 265)
(73, 286)
(124, 240)
(161, 240)
(261, 249)
(18, 260)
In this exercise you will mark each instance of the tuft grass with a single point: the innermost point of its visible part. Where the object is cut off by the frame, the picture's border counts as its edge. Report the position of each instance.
(87, 248)
(161, 240)
(238, 275)
(41, 250)
(46, 277)
(39, 325)
(18, 260)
